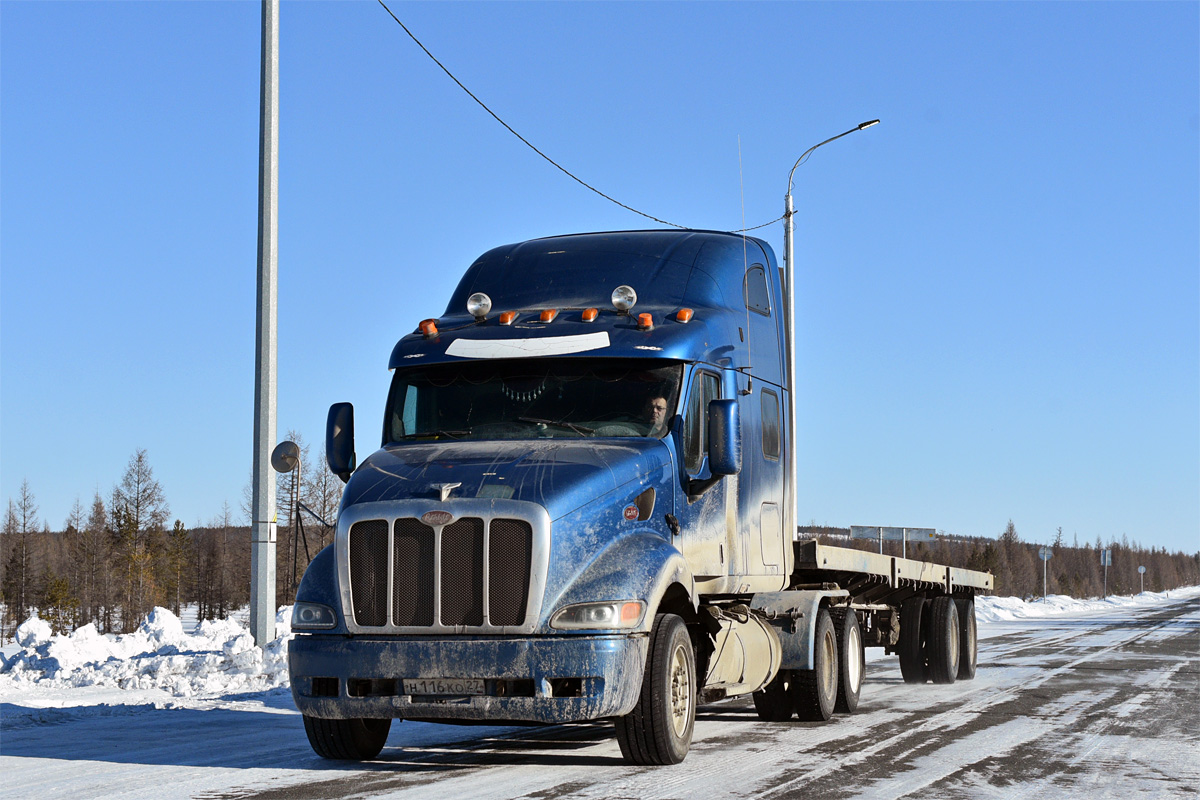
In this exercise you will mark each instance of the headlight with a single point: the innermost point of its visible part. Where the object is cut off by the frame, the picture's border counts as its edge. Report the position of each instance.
(590, 616)
(312, 617)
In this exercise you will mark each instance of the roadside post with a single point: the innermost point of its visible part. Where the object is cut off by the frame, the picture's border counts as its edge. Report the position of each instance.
(1106, 562)
(1045, 554)
(1142, 577)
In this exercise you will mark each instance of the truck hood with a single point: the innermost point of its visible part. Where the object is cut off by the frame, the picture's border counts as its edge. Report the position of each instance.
(559, 474)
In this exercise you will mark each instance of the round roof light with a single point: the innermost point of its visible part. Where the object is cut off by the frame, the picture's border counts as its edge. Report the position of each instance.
(478, 306)
(624, 298)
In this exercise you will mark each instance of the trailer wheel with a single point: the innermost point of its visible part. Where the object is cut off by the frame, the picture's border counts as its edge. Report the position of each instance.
(815, 690)
(968, 639)
(942, 643)
(774, 703)
(659, 728)
(912, 640)
(851, 659)
(347, 739)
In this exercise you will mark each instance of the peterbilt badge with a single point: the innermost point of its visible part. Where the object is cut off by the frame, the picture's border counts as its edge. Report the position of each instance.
(437, 518)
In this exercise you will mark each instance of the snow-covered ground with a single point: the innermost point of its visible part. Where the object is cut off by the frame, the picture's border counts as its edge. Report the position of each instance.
(198, 707)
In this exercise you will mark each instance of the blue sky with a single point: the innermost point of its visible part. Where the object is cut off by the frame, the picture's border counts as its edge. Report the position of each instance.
(999, 289)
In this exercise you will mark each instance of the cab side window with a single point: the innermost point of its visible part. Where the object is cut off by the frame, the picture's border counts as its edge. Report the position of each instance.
(758, 298)
(770, 424)
(705, 388)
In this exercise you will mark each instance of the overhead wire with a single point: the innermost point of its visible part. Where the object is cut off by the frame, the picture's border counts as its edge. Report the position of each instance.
(531, 146)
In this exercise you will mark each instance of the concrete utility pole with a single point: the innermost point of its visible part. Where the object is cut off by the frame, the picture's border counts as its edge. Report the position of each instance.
(262, 526)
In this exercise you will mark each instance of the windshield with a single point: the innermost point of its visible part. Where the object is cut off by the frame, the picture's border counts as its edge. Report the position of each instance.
(532, 399)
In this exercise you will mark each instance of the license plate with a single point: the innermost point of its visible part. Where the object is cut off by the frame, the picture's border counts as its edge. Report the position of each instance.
(443, 686)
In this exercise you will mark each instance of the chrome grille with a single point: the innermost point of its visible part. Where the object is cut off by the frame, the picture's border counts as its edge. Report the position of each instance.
(462, 572)
(368, 572)
(412, 570)
(510, 548)
(478, 572)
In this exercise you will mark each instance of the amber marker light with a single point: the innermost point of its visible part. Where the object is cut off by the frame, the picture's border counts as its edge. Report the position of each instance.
(548, 315)
(630, 613)
(590, 314)
(429, 328)
(684, 315)
(507, 317)
(645, 322)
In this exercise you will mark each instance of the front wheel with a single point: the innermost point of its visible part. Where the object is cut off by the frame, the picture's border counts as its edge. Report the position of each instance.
(659, 728)
(347, 739)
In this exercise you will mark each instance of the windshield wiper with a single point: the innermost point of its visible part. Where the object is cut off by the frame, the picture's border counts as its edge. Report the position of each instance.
(451, 434)
(582, 430)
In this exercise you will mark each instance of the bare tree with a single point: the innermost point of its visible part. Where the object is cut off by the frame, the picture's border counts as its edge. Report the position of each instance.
(20, 528)
(143, 510)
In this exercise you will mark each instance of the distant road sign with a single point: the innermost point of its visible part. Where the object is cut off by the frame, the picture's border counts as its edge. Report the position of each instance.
(1045, 553)
(1142, 570)
(877, 532)
(1106, 558)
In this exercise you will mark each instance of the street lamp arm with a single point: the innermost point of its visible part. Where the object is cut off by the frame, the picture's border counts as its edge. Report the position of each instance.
(860, 127)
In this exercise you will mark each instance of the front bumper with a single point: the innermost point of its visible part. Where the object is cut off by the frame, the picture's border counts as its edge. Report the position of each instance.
(537, 679)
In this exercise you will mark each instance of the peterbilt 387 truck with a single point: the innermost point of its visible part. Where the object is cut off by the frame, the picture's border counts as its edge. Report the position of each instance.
(583, 507)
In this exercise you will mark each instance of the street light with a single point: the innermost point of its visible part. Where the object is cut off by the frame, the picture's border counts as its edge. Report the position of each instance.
(789, 260)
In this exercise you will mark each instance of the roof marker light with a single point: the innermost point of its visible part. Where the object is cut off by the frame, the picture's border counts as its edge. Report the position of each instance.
(590, 314)
(684, 315)
(645, 322)
(623, 299)
(548, 314)
(507, 317)
(478, 306)
(429, 328)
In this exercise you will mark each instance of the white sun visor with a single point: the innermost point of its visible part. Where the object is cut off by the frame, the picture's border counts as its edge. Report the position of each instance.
(527, 348)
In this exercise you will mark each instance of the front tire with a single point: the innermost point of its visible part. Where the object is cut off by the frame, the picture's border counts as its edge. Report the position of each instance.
(347, 739)
(815, 690)
(851, 659)
(658, 730)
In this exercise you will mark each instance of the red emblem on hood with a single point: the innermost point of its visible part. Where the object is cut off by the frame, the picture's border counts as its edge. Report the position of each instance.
(631, 513)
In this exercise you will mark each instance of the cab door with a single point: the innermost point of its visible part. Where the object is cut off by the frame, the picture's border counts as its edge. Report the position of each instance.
(708, 511)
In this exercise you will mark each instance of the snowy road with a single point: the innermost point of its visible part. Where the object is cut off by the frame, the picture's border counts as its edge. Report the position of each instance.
(1094, 704)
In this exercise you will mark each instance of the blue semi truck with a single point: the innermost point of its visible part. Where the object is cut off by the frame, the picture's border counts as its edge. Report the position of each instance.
(583, 507)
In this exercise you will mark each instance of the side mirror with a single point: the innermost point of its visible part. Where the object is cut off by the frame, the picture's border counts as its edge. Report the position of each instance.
(339, 440)
(724, 438)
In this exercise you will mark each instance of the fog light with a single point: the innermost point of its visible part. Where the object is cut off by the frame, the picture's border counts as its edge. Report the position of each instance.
(624, 298)
(478, 306)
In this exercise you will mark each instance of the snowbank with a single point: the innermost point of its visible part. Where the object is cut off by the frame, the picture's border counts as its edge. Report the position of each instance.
(218, 657)
(1007, 609)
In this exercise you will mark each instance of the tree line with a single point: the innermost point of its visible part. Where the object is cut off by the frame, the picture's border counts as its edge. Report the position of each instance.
(117, 558)
(1073, 569)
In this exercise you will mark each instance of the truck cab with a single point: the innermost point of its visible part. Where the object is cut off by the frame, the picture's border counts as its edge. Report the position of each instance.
(579, 507)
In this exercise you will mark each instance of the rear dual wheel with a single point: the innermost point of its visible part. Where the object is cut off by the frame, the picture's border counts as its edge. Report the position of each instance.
(936, 637)
(815, 690)
(851, 659)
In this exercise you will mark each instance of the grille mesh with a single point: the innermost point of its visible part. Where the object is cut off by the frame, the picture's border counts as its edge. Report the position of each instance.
(368, 572)
(510, 547)
(462, 572)
(412, 565)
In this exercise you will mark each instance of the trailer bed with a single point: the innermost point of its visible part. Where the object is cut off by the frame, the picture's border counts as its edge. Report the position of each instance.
(877, 578)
